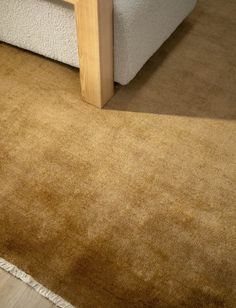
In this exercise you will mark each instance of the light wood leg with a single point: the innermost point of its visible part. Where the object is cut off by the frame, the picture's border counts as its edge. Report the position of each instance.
(94, 19)
(95, 40)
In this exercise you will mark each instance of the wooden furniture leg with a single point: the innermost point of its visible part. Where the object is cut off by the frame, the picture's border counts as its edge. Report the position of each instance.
(94, 20)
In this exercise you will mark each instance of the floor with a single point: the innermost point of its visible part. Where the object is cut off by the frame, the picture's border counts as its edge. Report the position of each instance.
(133, 205)
(16, 294)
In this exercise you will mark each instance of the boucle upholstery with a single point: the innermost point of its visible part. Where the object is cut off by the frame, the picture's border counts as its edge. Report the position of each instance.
(48, 27)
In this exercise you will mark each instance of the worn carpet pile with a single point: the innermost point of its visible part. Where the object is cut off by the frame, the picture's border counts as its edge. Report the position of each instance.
(133, 205)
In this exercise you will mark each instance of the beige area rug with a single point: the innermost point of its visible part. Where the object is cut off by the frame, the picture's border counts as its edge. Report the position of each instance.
(133, 205)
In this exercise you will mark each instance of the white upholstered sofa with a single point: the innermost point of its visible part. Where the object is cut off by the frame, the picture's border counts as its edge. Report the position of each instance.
(48, 27)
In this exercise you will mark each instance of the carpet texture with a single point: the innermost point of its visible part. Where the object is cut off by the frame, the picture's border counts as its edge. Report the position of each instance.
(133, 205)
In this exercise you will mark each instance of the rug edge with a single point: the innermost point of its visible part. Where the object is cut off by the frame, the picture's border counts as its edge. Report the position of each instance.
(39, 288)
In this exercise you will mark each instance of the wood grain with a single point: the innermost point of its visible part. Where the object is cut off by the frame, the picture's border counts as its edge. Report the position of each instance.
(95, 40)
(94, 19)
(16, 294)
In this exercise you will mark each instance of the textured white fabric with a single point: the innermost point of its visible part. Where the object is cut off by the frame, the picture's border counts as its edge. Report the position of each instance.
(48, 27)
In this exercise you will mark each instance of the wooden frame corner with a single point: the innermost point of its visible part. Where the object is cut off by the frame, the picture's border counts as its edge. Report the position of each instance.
(94, 19)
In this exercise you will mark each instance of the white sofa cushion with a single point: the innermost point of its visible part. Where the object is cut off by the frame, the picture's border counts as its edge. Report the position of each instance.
(48, 27)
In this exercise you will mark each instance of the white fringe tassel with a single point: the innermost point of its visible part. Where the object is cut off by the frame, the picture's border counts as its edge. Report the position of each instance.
(55, 299)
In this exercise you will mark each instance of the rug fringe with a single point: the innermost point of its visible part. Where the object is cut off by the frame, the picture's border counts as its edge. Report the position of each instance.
(16, 272)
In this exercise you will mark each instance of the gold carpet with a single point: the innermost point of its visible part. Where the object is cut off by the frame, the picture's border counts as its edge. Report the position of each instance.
(132, 205)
